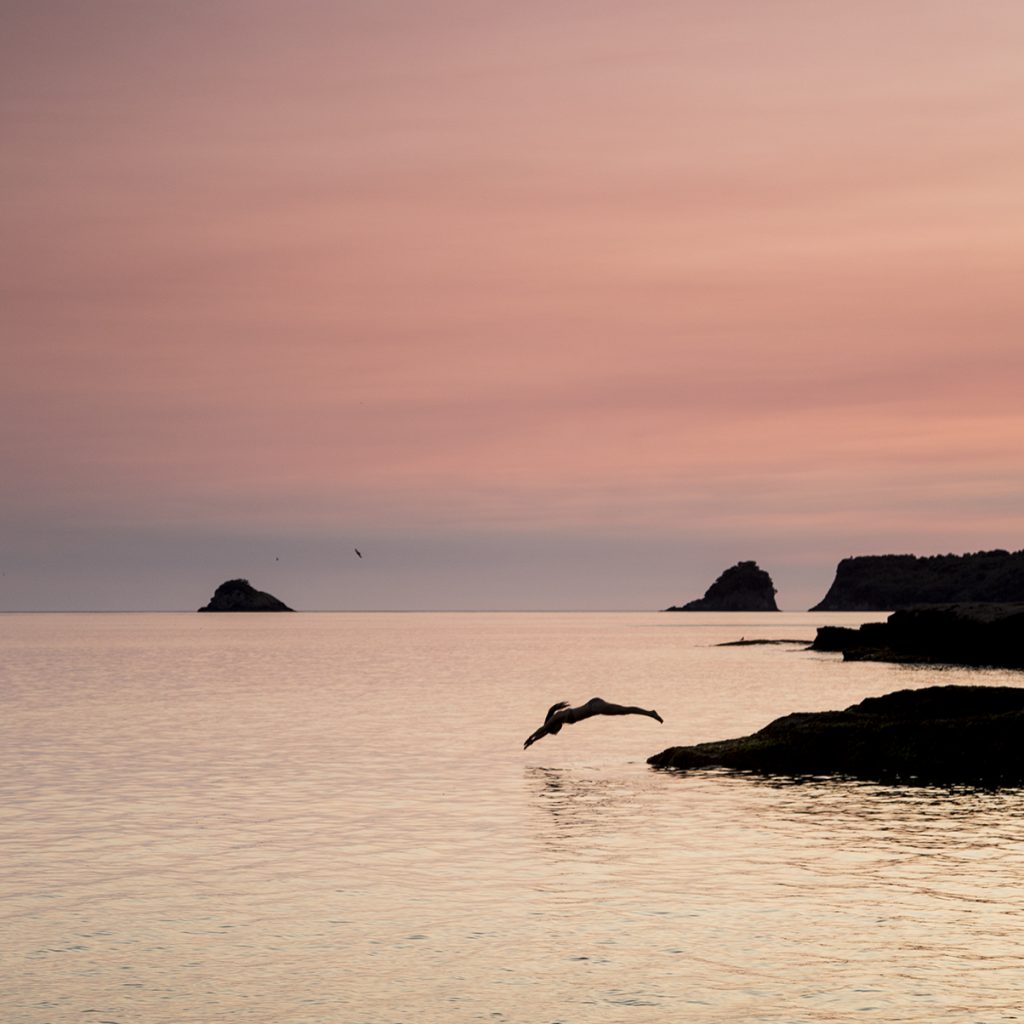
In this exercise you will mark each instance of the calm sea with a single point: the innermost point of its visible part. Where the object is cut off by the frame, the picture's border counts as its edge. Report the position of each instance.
(330, 818)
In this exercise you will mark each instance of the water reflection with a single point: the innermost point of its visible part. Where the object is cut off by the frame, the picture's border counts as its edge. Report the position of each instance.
(586, 804)
(847, 794)
(851, 807)
(311, 826)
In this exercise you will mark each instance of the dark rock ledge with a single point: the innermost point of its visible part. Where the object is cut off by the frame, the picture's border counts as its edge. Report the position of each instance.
(955, 634)
(940, 734)
(241, 596)
(744, 642)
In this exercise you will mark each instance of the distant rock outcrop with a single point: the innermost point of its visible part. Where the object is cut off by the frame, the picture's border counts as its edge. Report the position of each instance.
(941, 734)
(241, 596)
(886, 582)
(743, 588)
(958, 634)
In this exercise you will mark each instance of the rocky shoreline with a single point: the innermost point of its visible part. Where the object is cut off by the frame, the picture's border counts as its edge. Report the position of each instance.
(973, 635)
(940, 734)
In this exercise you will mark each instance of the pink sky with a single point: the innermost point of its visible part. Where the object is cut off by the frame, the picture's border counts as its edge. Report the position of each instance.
(560, 305)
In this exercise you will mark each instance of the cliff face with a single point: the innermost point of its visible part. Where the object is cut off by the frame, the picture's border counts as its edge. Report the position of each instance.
(883, 582)
(743, 588)
(241, 596)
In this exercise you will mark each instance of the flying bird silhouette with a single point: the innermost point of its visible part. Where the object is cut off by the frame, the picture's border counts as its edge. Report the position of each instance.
(358, 552)
(561, 714)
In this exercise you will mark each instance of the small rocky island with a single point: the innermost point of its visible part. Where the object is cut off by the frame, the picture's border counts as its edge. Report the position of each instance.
(975, 635)
(743, 588)
(940, 734)
(241, 596)
(886, 582)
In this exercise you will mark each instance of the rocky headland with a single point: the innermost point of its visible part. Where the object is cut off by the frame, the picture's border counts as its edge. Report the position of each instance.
(743, 588)
(941, 734)
(241, 596)
(886, 582)
(958, 634)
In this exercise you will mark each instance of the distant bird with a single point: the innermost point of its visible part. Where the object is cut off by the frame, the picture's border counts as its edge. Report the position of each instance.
(358, 552)
(561, 714)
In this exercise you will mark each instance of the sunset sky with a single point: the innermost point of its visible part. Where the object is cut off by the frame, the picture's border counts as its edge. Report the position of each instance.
(568, 304)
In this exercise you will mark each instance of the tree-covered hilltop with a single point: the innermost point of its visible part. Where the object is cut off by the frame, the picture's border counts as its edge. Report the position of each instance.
(883, 582)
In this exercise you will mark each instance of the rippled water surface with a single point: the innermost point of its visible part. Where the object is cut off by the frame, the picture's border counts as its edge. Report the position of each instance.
(330, 818)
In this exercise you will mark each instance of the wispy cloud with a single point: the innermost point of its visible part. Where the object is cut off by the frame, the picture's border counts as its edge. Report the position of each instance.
(743, 276)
